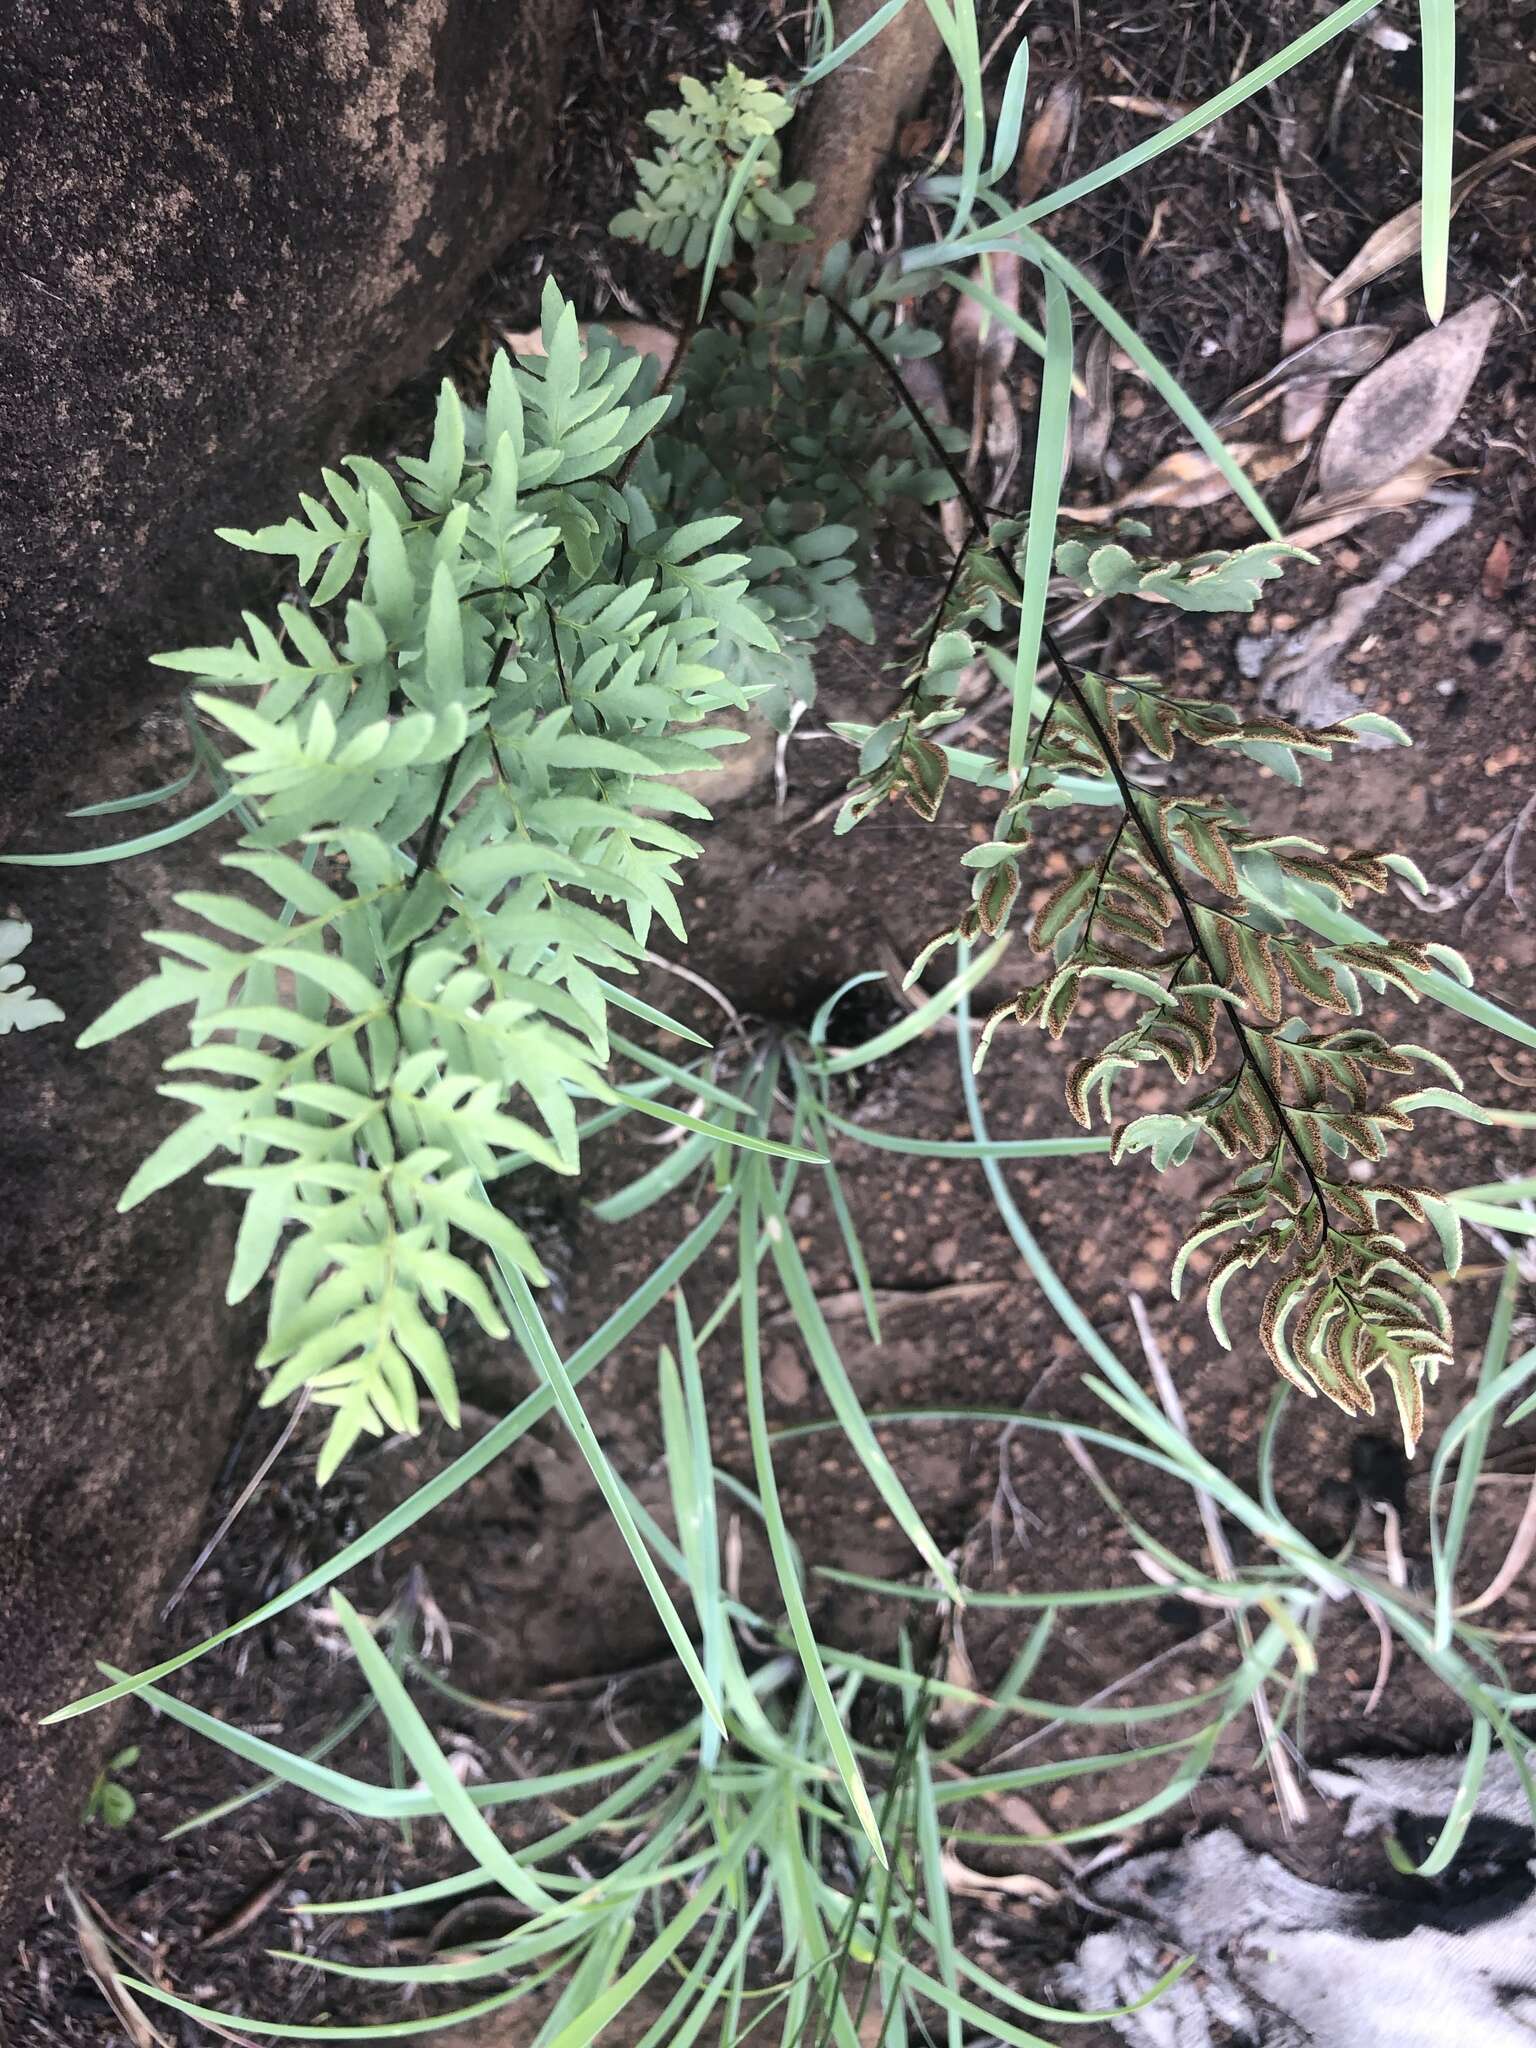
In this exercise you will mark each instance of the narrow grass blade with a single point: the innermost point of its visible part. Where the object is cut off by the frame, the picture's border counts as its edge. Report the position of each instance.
(967, 1148)
(958, 30)
(348, 1725)
(450, 1799)
(1517, 1222)
(998, 2030)
(1162, 380)
(1014, 1680)
(1010, 119)
(115, 806)
(586, 2025)
(127, 849)
(689, 1079)
(1241, 89)
(720, 233)
(288, 2030)
(529, 1328)
(1463, 1806)
(852, 43)
(996, 309)
(920, 1019)
(852, 1244)
(1025, 1603)
(661, 1180)
(748, 1141)
(1044, 503)
(1467, 1441)
(935, 1888)
(838, 1388)
(532, 1409)
(1032, 1777)
(823, 1017)
(1307, 907)
(690, 1477)
(753, 1178)
(622, 999)
(319, 1780)
(1437, 33)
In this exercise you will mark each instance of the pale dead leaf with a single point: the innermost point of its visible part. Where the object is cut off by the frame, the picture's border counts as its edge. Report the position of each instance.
(1403, 408)
(1303, 406)
(1306, 280)
(1324, 519)
(1138, 103)
(642, 335)
(1093, 415)
(1190, 478)
(1396, 240)
(978, 343)
(966, 1883)
(979, 349)
(948, 1713)
(1001, 435)
(1347, 352)
(1154, 234)
(97, 1957)
(1046, 139)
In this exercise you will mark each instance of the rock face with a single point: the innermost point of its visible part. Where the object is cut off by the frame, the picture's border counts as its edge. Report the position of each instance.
(229, 227)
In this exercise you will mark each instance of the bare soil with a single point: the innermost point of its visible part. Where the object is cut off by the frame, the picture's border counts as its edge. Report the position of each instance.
(546, 1619)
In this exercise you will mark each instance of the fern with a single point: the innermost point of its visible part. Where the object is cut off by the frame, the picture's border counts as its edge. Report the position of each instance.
(21, 1007)
(718, 135)
(1171, 911)
(457, 755)
(785, 426)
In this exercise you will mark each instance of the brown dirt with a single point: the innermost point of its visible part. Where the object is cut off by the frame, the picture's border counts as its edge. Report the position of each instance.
(546, 1618)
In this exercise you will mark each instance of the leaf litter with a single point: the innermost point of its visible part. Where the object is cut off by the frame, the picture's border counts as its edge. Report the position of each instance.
(1403, 408)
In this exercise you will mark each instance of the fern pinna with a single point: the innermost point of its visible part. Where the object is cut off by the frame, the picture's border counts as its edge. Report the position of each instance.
(1178, 907)
(455, 764)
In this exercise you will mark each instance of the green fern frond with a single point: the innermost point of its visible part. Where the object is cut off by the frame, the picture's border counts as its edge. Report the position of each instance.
(457, 764)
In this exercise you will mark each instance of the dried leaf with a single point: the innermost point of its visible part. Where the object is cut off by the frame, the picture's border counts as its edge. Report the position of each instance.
(1496, 566)
(1093, 415)
(1138, 103)
(1154, 234)
(1347, 352)
(1324, 519)
(975, 1884)
(979, 344)
(642, 335)
(1001, 436)
(97, 1958)
(1046, 139)
(1190, 478)
(1403, 408)
(1303, 406)
(1306, 279)
(1396, 240)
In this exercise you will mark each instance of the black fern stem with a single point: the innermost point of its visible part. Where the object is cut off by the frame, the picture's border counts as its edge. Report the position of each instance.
(978, 529)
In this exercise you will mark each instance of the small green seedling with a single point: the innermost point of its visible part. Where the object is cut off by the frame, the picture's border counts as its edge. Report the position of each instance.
(111, 1803)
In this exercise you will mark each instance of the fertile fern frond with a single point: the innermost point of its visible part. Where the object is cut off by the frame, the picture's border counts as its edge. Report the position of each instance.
(1172, 910)
(458, 759)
